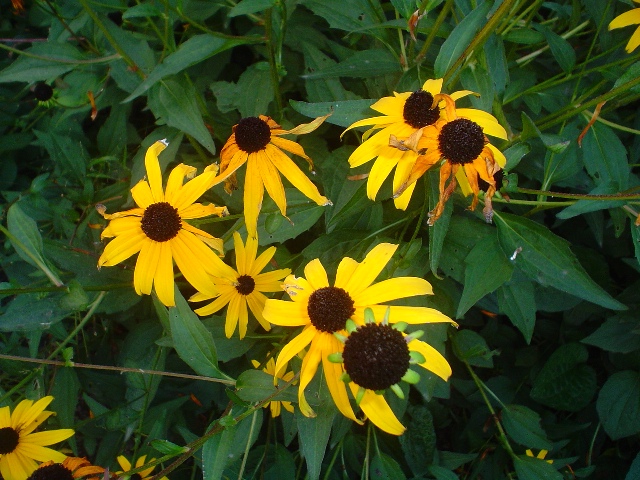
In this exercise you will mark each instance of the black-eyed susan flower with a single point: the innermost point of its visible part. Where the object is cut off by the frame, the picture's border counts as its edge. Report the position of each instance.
(404, 115)
(20, 448)
(258, 142)
(376, 356)
(270, 368)
(632, 17)
(460, 142)
(324, 310)
(157, 229)
(69, 469)
(125, 464)
(243, 287)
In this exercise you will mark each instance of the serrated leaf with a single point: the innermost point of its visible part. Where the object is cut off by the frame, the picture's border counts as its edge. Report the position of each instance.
(523, 425)
(547, 259)
(192, 341)
(256, 385)
(460, 38)
(618, 404)
(531, 468)
(344, 112)
(487, 268)
(175, 103)
(565, 382)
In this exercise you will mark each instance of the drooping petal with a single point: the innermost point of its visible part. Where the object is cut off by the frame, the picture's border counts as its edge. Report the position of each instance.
(337, 388)
(387, 159)
(164, 276)
(152, 165)
(141, 193)
(403, 170)
(393, 289)
(192, 190)
(146, 267)
(498, 156)
(233, 315)
(273, 183)
(256, 301)
(198, 210)
(423, 163)
(625, 19)
(308, 370)
(370, 268)
(191, 256)
(316, 275)
(435, 362)
(290, 146)
(295, 346)
(305, 127)
(253, 192)
(288, 314)
(376, 408)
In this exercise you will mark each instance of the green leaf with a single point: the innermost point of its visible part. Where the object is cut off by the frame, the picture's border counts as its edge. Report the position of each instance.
(441, 473)
(487, 268)
(313, 435)
(619, 334)
(175, 103)
(419, 441)
(165, 447)
(547, 259)
(256, 385)
(462, 235)
(58, 59)
(257, 80)
(565, 382)
(322, 89)
(31, 312)
(516, 299)
(250, 6)
(349, 15)
(634, 471)
(605, 157)
(195, 50)
(384, 467)
(142, 11)
(514, 154)
(192, 341)
(362, 64)
(215, 453)
(344, 112)
(25, 230)
(561, 50)
(618, 404)
(629, 74)
(471, 347)
(438, 231)
(456, 43)
(523, 425)
(531, 468)
(67, 152)
(586, 206)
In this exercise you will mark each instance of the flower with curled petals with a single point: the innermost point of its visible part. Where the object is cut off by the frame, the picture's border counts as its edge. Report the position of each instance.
(404, 115)
(258, 142)
(157, 229)
(243, 287)
(376, 357)
(632, 17)
(323, 310)
(20, 448)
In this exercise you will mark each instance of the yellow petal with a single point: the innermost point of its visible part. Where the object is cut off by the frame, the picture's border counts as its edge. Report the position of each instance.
(411, 315)
(253, 193)
(198, 210)
(216, 305)
(190, 256)
(370, 268)
(376, 408)
(289, 146)
(488, 122)
(124, 463)
(392, 106)
(28, 416)
(254, 267)
(392, 289)
(17, 466)
(141, 193)
(345, 270)
(271, 281)
(241, 255)
(152, 165)
(48, 437)
(146, 266)
(634, 41)
(233, 315)
(273, 183)
(379, 122)
(308, 370)
(192, 190)
(121, 248)
(316, 275)
(288, 314)
(40, 453)
(174, 184)
(631, 17)
(498, 156)
(123, 226)
(256, 301)
(337, 388)
(164, 276)
(387, 159)
(295, 346)
(435, 362)
(308, 127)
(433, 86)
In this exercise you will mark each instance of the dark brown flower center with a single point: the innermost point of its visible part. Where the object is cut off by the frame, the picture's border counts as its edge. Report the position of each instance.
(9, 439)
(42, 91)
(376, 356)
(252, 134)
(329, 309)
(246, 284)
(51, 472)
(461, 141)
(417, 110)
(161, 222)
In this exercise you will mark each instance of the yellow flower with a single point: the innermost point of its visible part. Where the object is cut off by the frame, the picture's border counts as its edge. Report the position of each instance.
(142, 475)
(540, 456)
(159, 231)
(243, 287)
(270, 368)
(258, 142)
(461, 142)
(324, 310)
(20, 448)
(632, 17)
(72, 467)
(377, 356)
(404, 115)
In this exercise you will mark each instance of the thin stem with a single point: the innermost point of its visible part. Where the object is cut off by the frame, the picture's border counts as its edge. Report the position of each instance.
(432, 33)
(273, 66)
(580, 196)
(520, 61)
(248, 445)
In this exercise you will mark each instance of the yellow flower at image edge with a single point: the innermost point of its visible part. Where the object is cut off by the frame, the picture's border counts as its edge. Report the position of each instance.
(270, 368)
(258, 142)
(158, 230)
(243, 287)
(404, 115)
(632, 17)
(20, 448)
(143, 474)
(72, 467)
(324, 310)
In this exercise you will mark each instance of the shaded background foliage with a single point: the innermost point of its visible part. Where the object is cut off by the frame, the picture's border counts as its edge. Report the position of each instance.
(547, 353)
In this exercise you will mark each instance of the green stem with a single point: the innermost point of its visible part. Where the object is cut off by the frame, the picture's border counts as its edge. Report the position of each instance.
(432, 33)
(521, 61)
(273, 67)
(580, 196)
(107, 59)
(248, 445)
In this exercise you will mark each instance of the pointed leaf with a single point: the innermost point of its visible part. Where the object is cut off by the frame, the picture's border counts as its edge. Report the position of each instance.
(618, 404)
(523, 425)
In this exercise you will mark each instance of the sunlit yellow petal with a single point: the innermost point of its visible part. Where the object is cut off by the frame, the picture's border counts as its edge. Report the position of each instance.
(308, 370)
(392, 289)
(345, 270)
(272, 182)
(189, 254)
(316, 275)
(40, 453)
(290, 146)
(253, 193)
(433, 86)
(634, 41)
(435, 362)
(376, 408)
(163, 280)
(295, 346)
(47, 437)
(192, 190)
(337, 388)
(233, 315)
(370, 268)
(387, 159)
(289, 314)
(241, 253)
(176, 178)
(29, 415)
(392, 106)
(141, 193)
(632, 17)
(498, 156)
(254, 267)
(216, 305)
(271, 281)
(198, 210)
(411, 315)
(124, 463)
(256, 301)
(146, 267)
(152, 165)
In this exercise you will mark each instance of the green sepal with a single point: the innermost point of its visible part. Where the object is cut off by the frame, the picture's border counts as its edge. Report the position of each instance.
(414, 336)
(416, 357)
(340, 337)
(411, 377)
(351, 326)
(397, 390)
(369, 317)
(385, 320)
(360, 395)
(345, 377)
(335, 357)
(400, 326)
